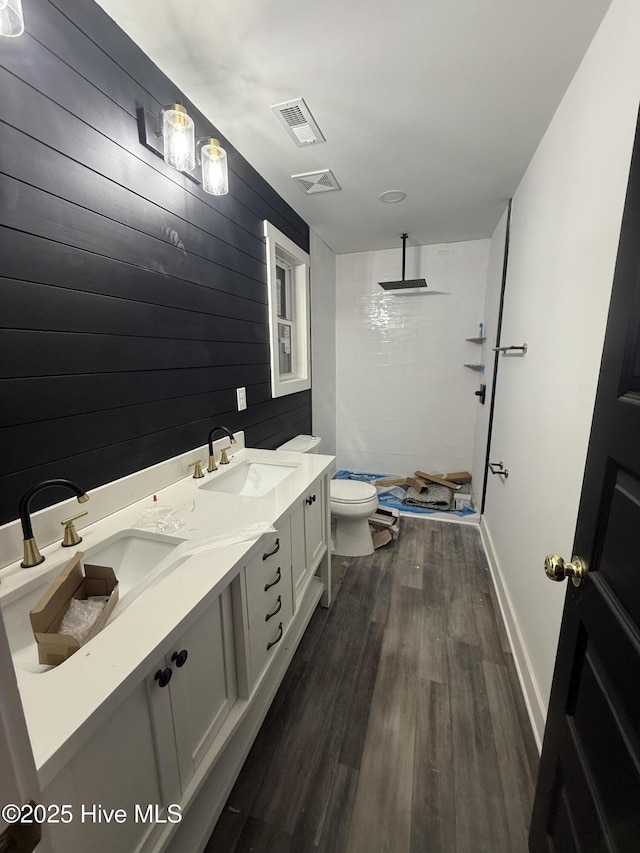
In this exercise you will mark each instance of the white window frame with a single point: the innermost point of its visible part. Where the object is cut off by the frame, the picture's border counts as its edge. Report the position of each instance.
(280, 247)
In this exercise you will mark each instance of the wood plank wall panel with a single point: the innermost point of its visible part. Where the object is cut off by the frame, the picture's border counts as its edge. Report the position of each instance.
(132, 304)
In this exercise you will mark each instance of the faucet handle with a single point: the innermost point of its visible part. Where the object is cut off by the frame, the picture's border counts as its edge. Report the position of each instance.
(197, 469)
(224, 459)
(71, 535)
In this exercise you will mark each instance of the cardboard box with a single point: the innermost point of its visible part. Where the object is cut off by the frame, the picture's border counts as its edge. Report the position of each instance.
(72, 582)
(384, 520)
(380, 538)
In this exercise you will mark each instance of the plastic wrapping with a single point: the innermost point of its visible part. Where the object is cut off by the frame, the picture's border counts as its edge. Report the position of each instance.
(80, 618)
(161, 519)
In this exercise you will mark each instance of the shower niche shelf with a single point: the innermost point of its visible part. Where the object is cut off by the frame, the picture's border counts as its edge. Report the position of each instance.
(477, 340)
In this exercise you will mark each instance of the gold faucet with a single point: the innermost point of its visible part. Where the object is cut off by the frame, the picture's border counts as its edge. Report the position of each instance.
(212, 457)
(32, 556)
(224, 459)
(71, 535)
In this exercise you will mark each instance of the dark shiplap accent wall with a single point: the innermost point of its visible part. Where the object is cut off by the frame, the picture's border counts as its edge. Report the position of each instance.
(132, 304)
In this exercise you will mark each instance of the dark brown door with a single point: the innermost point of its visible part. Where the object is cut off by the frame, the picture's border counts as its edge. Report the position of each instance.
(588, 791)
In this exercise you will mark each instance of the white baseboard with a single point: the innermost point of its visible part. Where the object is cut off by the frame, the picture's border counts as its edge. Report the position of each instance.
(536, 706)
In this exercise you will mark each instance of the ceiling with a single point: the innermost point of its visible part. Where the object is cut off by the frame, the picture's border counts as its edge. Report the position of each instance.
(445, 100)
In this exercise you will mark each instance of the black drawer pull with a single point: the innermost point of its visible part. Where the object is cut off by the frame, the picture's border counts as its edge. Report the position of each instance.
(310, 500)
(277, 610)
(271, 553)
(180, 658)
(277, 639)
(163, 676)
(277, 580)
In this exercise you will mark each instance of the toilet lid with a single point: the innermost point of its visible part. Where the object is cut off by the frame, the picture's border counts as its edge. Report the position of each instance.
(351, 491)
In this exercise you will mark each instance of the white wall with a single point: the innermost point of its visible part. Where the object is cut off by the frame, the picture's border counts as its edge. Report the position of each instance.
(404, 399)
(323, 342)
(564, 234)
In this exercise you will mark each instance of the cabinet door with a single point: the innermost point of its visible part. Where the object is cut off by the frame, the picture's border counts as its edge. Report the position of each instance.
(314, 525)
(116, 768)
(203, 685)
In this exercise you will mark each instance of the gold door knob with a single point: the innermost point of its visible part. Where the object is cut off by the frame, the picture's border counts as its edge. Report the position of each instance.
(557, 570)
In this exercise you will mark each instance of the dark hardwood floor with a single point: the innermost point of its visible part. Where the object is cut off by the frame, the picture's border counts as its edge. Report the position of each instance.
(400, 726)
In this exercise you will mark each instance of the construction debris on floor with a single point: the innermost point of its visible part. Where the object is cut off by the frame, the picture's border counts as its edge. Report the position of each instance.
(430, 491)
(385, 526)
(421, 492)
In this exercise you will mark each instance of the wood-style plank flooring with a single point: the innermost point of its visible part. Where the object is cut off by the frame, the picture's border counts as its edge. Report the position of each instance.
(400, 726)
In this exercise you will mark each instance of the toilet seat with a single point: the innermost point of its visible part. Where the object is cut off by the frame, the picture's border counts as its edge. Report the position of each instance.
(351, 492)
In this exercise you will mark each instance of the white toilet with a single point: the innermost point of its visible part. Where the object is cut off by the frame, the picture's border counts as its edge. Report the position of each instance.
(351, 502)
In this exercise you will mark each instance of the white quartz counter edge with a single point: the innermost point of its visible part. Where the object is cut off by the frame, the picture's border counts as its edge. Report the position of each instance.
(64, 705)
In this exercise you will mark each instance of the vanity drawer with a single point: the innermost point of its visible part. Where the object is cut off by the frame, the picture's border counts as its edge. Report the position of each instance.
(265, 639)
(268, 575)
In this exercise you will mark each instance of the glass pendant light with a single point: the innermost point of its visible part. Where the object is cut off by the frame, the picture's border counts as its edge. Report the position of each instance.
(11, 18)
(215, 174)
(179, 138)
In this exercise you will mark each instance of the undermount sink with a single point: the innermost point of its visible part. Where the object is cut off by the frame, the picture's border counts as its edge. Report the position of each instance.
(137, 557)
(251, 479)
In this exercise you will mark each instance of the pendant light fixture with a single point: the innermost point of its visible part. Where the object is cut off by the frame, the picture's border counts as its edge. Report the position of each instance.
(11, 18)
(179, 138)
(213, 159)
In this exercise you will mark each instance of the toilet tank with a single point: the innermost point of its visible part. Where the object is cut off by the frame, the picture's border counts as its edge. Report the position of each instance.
(302, 444)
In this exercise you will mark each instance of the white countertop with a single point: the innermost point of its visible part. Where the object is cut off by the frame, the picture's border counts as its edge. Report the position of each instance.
(65, 704)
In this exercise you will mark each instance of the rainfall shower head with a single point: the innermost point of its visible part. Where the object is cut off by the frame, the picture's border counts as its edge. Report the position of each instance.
(406, 284)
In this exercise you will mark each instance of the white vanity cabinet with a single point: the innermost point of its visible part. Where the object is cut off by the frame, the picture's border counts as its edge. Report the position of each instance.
(309, 535)
(191, 692)
(142, 759)
(117, 768)
(174, 691)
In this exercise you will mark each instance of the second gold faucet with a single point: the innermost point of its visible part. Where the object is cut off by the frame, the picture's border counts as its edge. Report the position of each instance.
(223, 455)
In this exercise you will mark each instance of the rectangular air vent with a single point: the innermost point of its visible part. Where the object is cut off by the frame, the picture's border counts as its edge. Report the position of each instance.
(298, 122)
(323, 181)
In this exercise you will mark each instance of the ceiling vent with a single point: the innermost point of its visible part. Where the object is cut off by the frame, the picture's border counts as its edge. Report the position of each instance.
(323, 181)
(298, 122)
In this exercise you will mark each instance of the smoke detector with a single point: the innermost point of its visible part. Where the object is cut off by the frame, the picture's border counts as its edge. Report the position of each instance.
(298, 122)
(323, 181)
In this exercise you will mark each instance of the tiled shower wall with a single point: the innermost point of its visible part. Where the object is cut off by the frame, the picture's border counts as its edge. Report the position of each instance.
(404, 399)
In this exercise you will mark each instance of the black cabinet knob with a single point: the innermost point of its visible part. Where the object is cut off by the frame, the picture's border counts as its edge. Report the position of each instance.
(180, 658)
(163, 676)
(311, 499)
